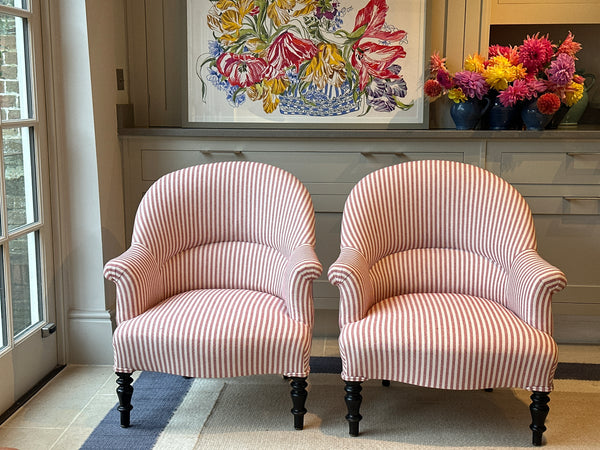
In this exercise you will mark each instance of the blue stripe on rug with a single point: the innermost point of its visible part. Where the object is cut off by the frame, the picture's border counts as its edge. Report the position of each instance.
(156, 397)
(564, 371)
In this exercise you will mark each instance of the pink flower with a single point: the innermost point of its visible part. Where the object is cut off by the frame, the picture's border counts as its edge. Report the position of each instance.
(242, 70)
(515, 93)
(569, 46)
(535, 53)
(436, 63)
(536, 86)
(444, 78)
(548, 103)
(561, 70)
(471, 83)
(433, 88)
(370, 57)
(288, 50)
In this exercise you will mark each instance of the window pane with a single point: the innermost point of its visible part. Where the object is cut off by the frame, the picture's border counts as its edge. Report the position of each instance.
(19, 177)
(15, 3)
(3, 315)
(25, 282)
(15, 101)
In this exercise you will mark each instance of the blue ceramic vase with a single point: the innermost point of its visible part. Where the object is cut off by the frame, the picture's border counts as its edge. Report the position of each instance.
(533, 119)
(466, 115)
(502, 117)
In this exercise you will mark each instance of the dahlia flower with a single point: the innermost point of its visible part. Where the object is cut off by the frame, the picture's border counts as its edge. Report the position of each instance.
(561, 70)
(569, 46)
(471, 83)
(514, 93)
(509, 52)
(433, 88)
(457, 95)
(500, 72)
(444, 78)
(436, 64)
(548, 103)
(535, 52)
(475, 63)
(572, 93)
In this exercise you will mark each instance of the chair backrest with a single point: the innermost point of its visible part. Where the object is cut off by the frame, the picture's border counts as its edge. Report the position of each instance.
(224, 225)
(440, 226)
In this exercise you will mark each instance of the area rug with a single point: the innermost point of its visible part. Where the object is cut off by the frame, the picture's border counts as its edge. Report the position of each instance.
(254, 413)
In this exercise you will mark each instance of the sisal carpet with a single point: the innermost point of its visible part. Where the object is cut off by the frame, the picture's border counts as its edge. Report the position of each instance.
(254, 413)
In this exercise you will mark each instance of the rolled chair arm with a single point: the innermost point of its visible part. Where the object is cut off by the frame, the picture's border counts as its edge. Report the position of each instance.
(302, 269)
(350, 273)
(138, 280)
(531, 283)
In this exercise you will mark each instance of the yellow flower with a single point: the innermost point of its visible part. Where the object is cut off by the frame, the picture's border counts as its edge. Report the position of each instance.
(500, 72)
(573, 93)
(327, 67)
(268, 91)
(457, 95)
(281, 11)
(475, 63)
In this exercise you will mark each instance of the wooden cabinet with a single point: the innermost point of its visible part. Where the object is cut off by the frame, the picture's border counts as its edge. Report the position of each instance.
(544, 11)
(560, 181)
(559, 178)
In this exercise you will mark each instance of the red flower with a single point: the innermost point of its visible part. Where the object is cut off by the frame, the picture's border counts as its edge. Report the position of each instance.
(370, 56)
(433, 88)
(288, 50)
(548, 103)
(242, 70)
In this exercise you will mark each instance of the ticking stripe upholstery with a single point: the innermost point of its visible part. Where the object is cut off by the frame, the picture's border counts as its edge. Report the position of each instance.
(440, 282)
(218, 279)
(213, 333)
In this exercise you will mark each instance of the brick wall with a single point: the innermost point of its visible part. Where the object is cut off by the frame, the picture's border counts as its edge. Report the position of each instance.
(12, 140)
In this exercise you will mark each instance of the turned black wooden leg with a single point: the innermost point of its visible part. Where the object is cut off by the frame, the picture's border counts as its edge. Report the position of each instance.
(124, 392)
(353, 400)
(385, 383)
(539, 410)
(299, 395)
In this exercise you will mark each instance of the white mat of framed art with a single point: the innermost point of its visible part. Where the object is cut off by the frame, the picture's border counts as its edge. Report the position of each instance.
(320, 63)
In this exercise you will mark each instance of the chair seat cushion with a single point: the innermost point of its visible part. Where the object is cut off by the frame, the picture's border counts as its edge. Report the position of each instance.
(214, 333)
(447, 341)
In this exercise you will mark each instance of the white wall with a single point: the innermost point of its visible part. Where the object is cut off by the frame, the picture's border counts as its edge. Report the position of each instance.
(88, 180)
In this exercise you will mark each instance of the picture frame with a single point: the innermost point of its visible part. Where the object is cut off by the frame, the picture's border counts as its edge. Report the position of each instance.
(323, 64)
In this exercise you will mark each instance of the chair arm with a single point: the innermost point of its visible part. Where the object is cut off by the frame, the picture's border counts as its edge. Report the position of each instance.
(350, 273)
(139, 282)
(531, 283)
(303, 267)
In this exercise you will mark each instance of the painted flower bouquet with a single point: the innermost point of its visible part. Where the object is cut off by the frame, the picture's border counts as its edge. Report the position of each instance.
(294, 56)
(536, 70)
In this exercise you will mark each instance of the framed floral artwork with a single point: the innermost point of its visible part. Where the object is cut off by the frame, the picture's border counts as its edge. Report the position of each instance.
(306, 63)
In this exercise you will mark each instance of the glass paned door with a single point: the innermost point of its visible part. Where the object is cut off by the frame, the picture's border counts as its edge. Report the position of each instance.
(26, 302)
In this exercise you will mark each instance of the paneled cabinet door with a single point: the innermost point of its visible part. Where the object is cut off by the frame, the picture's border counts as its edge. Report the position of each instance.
(544, 11)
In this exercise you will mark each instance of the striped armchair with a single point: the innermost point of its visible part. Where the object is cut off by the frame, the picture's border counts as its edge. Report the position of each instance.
(218, 279)
(441, 286)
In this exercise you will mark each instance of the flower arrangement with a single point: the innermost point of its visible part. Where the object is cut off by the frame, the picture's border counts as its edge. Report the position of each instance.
(537, 69)
(290, 54)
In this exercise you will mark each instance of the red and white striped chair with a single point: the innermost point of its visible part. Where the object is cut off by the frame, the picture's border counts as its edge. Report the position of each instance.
(441, 286)
(218, 279)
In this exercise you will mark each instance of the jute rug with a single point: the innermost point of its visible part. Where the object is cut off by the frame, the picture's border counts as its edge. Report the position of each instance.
(254, 413)
(255, 416)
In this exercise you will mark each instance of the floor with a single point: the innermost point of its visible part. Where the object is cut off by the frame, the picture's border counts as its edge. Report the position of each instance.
(66, 410)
